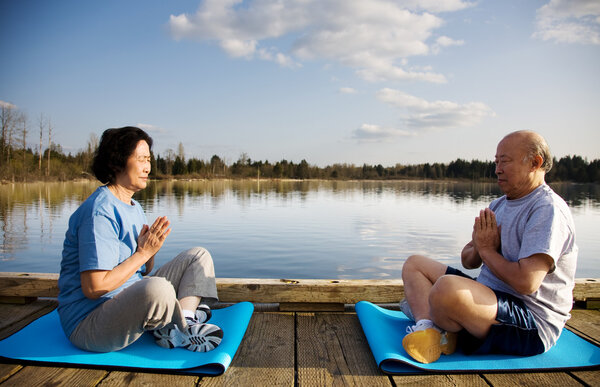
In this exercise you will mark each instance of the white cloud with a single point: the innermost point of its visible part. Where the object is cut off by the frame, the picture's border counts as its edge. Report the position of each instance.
(373, 37)
(151, 128)
(7, 105)
(437, 6)
(444, 41)
(376, 133)
(347, 90)
(569, 21)
(423, 114)
(277, 57)
(239, 48)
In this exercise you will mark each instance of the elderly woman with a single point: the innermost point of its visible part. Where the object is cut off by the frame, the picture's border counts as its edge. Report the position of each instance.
(106, 300)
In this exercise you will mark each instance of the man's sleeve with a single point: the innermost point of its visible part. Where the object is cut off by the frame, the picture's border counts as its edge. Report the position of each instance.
(546, 232)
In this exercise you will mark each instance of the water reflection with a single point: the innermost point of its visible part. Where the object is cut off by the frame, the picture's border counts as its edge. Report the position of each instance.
(30, 210)
(294, 229)
(574, 194)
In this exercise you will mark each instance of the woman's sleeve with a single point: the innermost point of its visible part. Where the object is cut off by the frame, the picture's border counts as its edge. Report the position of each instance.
(98, 243)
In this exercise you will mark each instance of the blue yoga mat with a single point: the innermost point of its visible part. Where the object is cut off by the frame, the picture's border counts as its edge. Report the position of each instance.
(44, 341)
(385, 329)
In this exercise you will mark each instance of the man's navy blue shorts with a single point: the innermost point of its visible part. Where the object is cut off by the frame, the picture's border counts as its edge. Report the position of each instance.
(516, 333)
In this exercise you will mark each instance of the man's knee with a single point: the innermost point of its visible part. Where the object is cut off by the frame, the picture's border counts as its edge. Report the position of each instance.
(420, 264)
(452, 291)
(412, 264)
(445, 291)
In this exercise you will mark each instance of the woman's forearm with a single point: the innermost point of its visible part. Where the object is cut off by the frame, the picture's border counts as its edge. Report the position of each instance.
(96, 283)
(149, 266)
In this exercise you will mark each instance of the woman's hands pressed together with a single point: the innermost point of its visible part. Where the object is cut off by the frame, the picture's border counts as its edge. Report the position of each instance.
(151, 238)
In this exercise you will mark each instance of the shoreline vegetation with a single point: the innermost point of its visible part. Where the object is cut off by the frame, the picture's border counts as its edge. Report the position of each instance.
(19, 165)
(22, 161)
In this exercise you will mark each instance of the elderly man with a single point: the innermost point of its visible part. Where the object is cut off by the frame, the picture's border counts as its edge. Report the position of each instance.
(525, 245)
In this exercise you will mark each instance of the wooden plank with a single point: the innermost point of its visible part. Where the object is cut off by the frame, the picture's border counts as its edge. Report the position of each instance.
(437, 380)
(309, 290)
(592, 303)
(265, 356)
(43, 376)
(270, 290)
(585, 324)
(29, 284)
(118, 378)
(311, 307)
(17, 300)
(239, 289)
(532, 379)
(591, 378)
(332, 350)
(15, 317)
(586, 288)
(8, 370)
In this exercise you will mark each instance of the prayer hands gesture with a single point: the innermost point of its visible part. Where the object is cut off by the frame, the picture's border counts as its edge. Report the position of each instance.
(152, 238)
(486, 232)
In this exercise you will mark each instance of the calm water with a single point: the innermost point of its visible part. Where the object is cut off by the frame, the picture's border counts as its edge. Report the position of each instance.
(286, 229)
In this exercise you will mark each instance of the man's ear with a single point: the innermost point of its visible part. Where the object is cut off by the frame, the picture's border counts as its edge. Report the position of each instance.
(536, 162)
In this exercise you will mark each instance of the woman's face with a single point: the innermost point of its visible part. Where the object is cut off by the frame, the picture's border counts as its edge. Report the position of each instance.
(135, 175)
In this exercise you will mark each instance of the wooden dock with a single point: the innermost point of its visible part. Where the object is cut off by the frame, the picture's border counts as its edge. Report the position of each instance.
(281, 346)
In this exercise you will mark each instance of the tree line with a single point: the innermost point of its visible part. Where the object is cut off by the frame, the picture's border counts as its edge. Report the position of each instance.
(568, 168)
(21, 160)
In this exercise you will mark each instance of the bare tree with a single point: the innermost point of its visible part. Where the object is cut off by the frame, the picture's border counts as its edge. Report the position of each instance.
(23, 121)
(170, 159)
(7, 122)
(9, 143)
(41, 139)
(49, 147)
(92, 145)
(181, 152)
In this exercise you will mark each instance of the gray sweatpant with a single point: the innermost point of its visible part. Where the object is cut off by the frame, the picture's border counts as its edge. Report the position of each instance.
(149, 304)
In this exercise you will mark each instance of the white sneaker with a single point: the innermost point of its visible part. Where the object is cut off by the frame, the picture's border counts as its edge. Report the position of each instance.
(195, 337)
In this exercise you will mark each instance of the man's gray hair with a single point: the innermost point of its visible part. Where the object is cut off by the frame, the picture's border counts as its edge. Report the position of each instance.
(537, 146)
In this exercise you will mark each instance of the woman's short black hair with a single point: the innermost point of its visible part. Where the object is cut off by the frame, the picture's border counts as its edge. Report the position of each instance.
(116, 145)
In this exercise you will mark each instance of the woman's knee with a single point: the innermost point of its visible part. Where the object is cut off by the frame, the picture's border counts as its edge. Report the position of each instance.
(203, 258)
(197, 250)
(199, 254)
(159, 289)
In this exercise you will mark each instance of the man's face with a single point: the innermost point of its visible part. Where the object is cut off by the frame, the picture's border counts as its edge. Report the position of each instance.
(513, 168)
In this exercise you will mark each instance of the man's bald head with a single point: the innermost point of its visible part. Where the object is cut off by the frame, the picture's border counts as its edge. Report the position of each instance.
(533, 145)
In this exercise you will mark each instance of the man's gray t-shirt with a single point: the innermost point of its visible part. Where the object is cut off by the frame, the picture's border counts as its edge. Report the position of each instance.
(540, 222)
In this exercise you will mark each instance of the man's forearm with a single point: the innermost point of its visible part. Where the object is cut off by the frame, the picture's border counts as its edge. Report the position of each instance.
(469, 256)
(508, 272)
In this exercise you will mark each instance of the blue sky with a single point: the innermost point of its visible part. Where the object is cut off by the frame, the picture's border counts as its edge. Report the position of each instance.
(329, 81)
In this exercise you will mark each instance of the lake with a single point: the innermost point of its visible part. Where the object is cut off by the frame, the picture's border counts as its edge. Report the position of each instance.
(287, 229)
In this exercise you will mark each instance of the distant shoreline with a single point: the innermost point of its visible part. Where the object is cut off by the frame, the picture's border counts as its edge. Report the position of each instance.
(270, 179)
